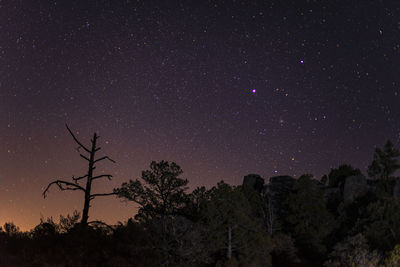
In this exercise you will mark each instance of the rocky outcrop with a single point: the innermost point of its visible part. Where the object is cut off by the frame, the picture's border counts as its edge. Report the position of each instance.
(280, 187)
(354, 187)
(255, 181)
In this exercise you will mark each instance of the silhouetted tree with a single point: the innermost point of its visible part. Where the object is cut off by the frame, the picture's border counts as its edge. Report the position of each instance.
(233, 231)
(196, 201)
(308, 219)
(288, 222)
(92, 160)
(67, 223)
(46, 228)
(161, 198)
(163, 192)
(337, 176)
(383, 166)
(385, 163)
(11, 229)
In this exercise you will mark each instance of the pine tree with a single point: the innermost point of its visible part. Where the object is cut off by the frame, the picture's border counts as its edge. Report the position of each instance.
(385, 163)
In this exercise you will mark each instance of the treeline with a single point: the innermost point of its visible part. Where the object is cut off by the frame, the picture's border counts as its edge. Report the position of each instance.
(342, 219)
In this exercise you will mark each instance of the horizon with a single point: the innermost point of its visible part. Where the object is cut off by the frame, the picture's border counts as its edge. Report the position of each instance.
(123, 214)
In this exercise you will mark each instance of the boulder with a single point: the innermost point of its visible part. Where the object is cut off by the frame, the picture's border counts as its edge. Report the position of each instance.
(280, 187)
(255, 181)
(355, 186)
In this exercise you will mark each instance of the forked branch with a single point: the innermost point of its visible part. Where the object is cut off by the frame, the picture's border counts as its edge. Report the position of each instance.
(63, 185)
(105, 157)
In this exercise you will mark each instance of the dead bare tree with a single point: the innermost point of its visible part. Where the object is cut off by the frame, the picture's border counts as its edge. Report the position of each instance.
(65, 185)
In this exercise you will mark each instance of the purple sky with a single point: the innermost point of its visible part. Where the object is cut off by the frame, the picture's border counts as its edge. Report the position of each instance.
(222, 88)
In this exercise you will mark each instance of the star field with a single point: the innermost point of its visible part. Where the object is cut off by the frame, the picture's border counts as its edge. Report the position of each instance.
(223, 88)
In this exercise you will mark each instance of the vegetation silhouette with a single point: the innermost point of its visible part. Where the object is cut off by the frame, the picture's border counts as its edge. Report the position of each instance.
(90, 157)
(342, 219)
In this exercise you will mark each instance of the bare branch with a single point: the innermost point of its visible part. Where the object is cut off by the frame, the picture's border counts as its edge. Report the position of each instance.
(76, 140)
(105, 157)
(63, 185)
(82, 156)
(79, 178)
(102, 195)
(109, 176)
(97, 149)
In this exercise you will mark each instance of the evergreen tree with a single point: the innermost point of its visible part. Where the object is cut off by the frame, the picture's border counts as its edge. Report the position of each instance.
(337, 176)
(308, 220)
(232, 230)
(161, 198)
(161, 193)
(384, 163)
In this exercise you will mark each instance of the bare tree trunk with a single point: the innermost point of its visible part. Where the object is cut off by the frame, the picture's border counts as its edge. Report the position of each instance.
(86, 205)
(229, 251)
(65, 185)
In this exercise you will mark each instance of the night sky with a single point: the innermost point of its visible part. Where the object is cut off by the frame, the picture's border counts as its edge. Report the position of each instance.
(223, 88)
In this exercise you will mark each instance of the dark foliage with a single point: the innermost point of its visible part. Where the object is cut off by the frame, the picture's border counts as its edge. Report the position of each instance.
(128, 244)
(341, 220)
